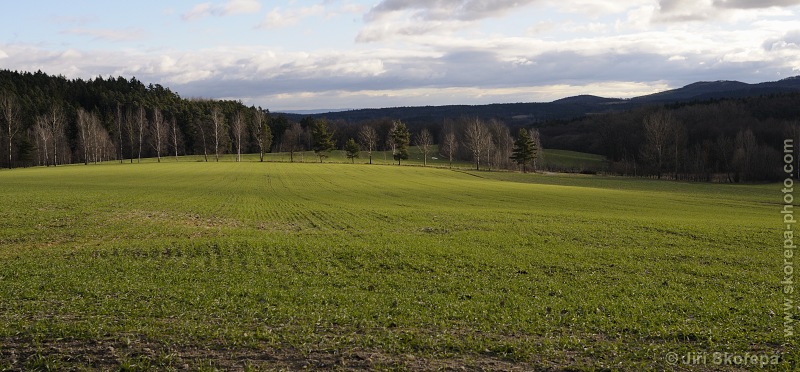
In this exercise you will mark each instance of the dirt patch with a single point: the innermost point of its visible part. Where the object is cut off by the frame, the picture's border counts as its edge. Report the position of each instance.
(18, 354)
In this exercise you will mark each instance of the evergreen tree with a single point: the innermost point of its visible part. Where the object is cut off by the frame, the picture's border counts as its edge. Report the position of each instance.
(352, 149)
(400, 138)
(323, 142)
(524, 150)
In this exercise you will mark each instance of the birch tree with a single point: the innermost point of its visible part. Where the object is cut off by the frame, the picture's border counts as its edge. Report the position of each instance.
(368, 137)
(238, 127)
(158, 132)
(262, 132)
(9, 109)
(218, 130)
(424, 142)
(56, 120)
(43, 138)
(476, 140)
(83, 133)
(140, 120)
(449, 146)
(174, 136)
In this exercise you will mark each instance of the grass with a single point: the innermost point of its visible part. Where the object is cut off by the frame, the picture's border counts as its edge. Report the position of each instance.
(242, 265)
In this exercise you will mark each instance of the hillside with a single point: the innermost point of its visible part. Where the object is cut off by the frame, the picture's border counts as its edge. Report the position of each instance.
(523, 114)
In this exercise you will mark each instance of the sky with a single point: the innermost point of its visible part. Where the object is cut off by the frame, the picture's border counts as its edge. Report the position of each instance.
(335, 54)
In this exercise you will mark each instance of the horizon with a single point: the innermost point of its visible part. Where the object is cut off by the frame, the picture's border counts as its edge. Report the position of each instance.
(301, 55)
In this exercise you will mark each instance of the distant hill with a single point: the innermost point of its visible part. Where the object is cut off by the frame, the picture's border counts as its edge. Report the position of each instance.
(519, 114)
(722, 89)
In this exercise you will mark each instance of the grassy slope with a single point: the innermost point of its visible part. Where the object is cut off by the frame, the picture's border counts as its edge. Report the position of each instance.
(314, 261)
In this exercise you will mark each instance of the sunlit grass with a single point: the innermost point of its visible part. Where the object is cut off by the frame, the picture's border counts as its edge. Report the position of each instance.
(543, 270)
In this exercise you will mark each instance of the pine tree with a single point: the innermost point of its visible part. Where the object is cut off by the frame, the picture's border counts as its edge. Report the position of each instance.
(323, 142)
(352, 149)
(524, 150)
(400, 137)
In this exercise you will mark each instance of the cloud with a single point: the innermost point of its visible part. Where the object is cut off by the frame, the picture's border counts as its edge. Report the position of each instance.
(754, 4)
(464, 10)
(416, 17)
(277, 18)
(791, 40)
(229, 7)
(108, 34)
(703, 10)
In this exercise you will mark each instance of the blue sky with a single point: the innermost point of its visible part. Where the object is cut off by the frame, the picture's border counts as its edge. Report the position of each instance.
(304, 54)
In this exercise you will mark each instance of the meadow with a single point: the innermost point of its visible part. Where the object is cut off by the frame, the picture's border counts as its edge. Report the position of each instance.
(194, 265)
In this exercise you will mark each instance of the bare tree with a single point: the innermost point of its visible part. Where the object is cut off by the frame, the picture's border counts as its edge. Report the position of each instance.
(140, 120)
(744, 154)
(476, 139)
(84, 121)
(291, 139)
(158, 132)
(130, 130)
(201, 127)
(175, 133)
(504, 144)
(424, 142)
(43, 138)
(657, 128)
(119, 132)
(217, 130)
(449, 146)
(238, 127)
(538, 151)
(368, 137)
(262, 131)
(56, 121)
(9, 110)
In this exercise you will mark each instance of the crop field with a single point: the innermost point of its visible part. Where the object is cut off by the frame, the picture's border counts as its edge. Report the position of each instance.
(194, 265)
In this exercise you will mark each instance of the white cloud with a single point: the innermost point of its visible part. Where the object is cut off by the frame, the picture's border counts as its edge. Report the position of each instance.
(229, 7)
(277, 18)
(108, 34)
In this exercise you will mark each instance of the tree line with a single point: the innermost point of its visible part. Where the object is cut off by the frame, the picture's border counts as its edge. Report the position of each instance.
(51, 120)
(727, 140)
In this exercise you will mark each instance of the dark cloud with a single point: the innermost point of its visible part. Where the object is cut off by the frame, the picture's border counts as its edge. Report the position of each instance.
(434, 10)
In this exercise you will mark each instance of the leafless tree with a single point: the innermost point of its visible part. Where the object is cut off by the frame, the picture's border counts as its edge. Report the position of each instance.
(158, 132)
(140, 119)
(657, 128)
(424, 142)
(9, 110)
(503, 144)
(84, 122)
(389, 142)
(201, 127)
(175, 134)
(130, 131)
(238, 127)
(218, 130)
(476, 139)
(119, 132)
(449, 146)
(262, 132)
(538, 155)
(56, 121)
(291, 139)
(43, 138)
(368, 137)
(746, 148)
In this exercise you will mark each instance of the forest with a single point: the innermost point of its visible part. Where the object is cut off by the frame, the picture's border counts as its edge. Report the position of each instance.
(51, 120)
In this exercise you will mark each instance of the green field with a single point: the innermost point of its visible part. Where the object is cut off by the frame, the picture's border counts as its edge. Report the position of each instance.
(194, 265)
